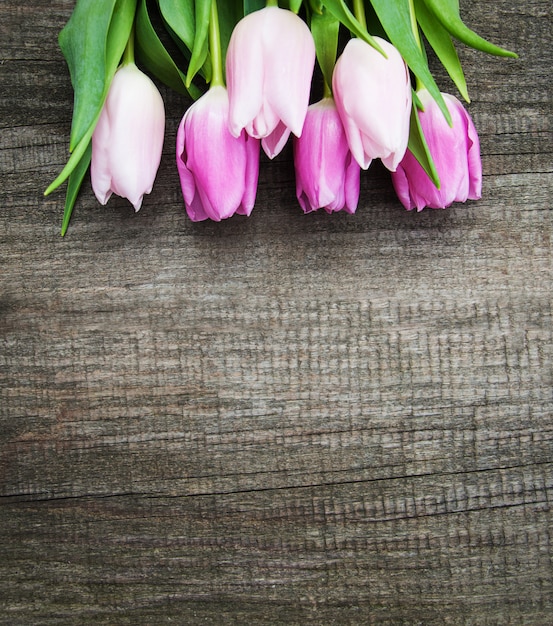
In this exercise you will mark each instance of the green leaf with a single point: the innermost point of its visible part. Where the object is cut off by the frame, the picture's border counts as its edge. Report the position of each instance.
(373, 23)
(293, 5)
(75, 157)
(440, 40)
(179, 14)
(417, 101)
(325, 27)
(181, 17)
(418, 146)
(154, 56)
(92, 45)
(341, 12)
(253, 5)
(230, 13)
(395, 17)
(447, 12)
(200, 47)
(73, 186)
(92, 42)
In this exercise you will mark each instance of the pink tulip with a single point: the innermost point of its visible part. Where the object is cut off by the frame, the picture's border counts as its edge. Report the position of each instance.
(128, 138)
(218, 172)
(456, 154)
(269, 65)
(327, 175)
(373, 97)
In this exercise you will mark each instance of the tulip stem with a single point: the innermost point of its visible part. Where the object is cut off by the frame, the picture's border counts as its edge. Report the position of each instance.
(359, 12)
(217, 78)
(128, 54)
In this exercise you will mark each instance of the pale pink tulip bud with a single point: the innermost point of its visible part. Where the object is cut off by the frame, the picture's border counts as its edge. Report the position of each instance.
(327, 175)
(269, 66)
(373, 97)
(128, 138)
(218, 172)
(456, 154)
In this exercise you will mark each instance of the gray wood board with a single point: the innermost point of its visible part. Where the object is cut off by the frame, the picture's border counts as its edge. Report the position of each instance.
(282, 419)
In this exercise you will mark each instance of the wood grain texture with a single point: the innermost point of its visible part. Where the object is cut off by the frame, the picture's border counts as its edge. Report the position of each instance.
(282, 419)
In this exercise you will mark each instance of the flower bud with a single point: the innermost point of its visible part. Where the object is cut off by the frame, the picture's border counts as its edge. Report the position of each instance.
(327, 175)
(373, 97)
(128, 138)
(269, 65)
(218, 172)
(455, 151)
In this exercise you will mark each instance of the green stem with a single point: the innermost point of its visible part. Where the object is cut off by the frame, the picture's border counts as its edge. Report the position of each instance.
(217, 78)
(327, 91)
(359, 12)
(128, 54)
(272, 3)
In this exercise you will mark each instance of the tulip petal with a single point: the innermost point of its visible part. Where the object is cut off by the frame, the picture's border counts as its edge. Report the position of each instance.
(455, 152)
(195, 210)
(245, 72)
(275, 142)
(269, 66)
(324, 176)
(100, 175)
(192, 200)
(474, 162)
(251, 177)
(218, 171)
(135, 154)
(128, 139)
(352, 184)
(402, 187)
(373, 96)
(356, 144)
(289, 71)
(264, 123)
(218, 159)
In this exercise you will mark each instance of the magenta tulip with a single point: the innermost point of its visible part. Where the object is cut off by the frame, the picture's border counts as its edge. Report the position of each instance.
(327, 175)
(269, 65)
(373, 97)
(218, 172)
(128, 138)
(455, 151)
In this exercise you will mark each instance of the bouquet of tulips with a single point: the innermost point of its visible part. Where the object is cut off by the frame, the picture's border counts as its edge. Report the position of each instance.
(248, 66)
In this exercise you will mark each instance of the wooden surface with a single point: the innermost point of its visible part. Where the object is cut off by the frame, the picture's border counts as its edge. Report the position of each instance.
(285, 419)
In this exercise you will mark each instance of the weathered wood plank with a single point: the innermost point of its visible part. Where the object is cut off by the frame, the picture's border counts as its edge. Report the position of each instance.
(282, 419)
(352, 553)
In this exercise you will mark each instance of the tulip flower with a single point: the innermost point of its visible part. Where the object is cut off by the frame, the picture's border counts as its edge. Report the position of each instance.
(455, 151)
(373, 97)
(218, 172)
(269, 65)
(128, 138)
(327, 175)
